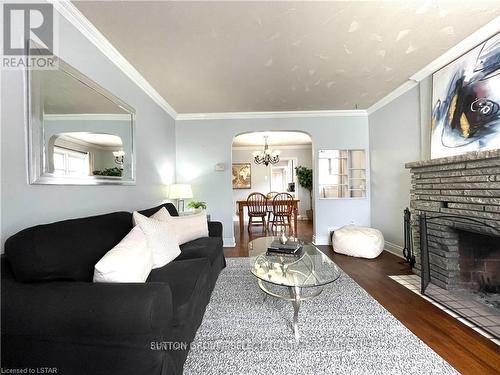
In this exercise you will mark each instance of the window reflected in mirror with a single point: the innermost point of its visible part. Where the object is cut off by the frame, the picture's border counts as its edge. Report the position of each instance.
(342, 173)
(86, 154)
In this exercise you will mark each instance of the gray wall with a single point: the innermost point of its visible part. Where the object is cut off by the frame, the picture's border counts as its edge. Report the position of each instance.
(24, 205)
(399, 133)
(201, 144)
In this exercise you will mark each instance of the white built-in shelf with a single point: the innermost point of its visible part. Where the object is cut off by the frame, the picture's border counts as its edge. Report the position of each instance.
(351, 161)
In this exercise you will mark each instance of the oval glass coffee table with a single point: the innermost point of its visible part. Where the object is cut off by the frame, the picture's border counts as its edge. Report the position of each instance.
(303, 275)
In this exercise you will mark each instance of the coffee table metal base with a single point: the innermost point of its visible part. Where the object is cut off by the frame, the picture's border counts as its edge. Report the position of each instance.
(296, 297)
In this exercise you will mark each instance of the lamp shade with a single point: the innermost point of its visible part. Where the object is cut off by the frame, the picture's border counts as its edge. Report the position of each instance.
(180, 191)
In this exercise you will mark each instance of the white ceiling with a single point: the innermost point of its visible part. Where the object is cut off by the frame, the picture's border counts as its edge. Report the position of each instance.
(95, 139)
(274, 139)
(212, 56)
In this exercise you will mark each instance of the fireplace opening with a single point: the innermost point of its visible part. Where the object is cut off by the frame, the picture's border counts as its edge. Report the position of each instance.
(479, 267)
(460, 267)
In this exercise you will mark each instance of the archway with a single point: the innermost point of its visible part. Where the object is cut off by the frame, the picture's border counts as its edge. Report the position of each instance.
(294, 149)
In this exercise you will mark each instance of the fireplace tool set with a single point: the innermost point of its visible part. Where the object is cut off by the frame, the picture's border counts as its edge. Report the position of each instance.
(408, 248)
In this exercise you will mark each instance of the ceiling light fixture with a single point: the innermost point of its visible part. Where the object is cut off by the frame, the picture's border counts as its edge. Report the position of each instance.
(267, 156)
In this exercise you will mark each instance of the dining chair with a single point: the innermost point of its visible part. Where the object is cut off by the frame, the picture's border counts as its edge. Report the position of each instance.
(282, 210)
(257, 208)
(270, 196)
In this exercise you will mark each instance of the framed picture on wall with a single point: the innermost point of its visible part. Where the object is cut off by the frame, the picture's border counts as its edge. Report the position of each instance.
(242, 175)
(466, 102)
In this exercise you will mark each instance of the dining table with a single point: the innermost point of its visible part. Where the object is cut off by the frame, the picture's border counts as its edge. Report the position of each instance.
(243, 203)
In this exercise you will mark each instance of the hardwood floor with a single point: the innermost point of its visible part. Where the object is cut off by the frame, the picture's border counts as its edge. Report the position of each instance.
(304, 232)
(465, 349)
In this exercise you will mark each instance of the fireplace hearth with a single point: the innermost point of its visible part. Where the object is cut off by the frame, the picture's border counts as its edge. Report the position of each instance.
(490, 299)
(455, 205)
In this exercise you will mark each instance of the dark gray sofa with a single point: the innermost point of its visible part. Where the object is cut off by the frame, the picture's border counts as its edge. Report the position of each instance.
(54, 316)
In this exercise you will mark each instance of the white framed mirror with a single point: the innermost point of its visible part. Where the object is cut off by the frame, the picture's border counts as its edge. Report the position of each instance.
(79, 133)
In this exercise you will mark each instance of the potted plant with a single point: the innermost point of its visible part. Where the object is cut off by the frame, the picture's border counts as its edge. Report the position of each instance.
(199, 205)
(114, 172)
(305, 177)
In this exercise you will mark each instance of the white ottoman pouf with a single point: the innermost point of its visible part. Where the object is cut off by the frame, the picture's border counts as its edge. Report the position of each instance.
(358, 241)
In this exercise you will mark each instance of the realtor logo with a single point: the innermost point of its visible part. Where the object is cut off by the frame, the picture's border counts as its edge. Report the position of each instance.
(22, 22)
(25, 23)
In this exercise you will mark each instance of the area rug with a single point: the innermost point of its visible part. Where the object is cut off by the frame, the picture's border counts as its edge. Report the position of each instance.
(343, 331)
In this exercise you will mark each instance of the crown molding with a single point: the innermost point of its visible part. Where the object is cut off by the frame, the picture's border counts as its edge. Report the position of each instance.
(82, 24)
(472, 41)
(271, 114)
(87, 117)
(407, 86)
(281, 147)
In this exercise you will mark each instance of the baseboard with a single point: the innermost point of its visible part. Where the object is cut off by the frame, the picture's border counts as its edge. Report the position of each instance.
(229, 242)
(394, 249)
(389, 246)
(321, 240)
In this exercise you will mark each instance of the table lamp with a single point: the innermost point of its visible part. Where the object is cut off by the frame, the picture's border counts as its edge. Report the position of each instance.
(180, 192)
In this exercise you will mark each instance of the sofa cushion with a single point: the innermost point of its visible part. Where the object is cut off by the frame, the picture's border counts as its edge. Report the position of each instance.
(189, 283)
(205, 247)
(65, 250)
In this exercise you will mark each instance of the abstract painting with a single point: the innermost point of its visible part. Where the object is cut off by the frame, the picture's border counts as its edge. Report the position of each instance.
(242, 176)
(466, 102)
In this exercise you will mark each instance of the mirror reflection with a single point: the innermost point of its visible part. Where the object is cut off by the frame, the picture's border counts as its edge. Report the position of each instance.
(86, 154)
(79, 132)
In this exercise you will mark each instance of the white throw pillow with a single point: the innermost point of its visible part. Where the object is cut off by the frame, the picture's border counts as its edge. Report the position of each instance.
(162, 214)
(187, 227)
(161, 239)
(128, 262)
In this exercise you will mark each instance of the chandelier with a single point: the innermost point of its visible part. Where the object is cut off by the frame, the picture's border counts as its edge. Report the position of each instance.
(267, 156)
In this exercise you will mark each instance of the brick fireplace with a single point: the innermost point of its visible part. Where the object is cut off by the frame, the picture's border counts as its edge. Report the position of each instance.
(460, 198)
